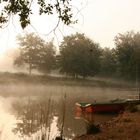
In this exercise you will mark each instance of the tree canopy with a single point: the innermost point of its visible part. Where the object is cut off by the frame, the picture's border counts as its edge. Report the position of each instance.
(108, 61)
(24, 8)
(128, 53)
(79, 56)
(47, 58)
(35, 53)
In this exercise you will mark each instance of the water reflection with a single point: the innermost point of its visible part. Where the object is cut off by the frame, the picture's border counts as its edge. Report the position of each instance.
(41, 117)
(35, 117)
(48, 119)
(7, 120)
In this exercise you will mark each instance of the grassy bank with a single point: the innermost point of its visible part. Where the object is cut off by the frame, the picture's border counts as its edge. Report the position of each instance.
(17, 78)
(124, 127)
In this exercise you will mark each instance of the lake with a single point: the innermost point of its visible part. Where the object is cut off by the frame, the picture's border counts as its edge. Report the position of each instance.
(41, 111)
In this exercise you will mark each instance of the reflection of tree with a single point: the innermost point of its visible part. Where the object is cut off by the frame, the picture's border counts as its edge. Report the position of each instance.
(37, 116)
(32, 117)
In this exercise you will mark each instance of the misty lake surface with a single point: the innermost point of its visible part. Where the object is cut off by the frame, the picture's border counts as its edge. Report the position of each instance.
(40, 112)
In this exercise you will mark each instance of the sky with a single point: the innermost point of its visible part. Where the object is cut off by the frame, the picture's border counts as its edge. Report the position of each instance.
(100, 20)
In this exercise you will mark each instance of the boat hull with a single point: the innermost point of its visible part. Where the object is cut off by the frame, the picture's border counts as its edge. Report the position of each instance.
(108, 108)
(84, 107)
(104, 107)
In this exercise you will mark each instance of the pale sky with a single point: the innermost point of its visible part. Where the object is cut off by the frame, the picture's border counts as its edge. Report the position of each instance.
(104, 19)
(101, 20)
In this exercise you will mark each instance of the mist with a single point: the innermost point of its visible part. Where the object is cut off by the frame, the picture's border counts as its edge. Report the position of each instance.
(38, 101)
(67, 80)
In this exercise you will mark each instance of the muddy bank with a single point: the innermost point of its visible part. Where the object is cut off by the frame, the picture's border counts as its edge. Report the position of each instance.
(125, 126)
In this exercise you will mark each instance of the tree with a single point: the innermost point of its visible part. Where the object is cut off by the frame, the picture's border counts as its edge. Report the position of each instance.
(47, 58)
(35, 53)
(108, 61)
(24, 8)
(79, 56)
(128, 53)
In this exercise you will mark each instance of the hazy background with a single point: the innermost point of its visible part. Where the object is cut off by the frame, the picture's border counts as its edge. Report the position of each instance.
(100, 20)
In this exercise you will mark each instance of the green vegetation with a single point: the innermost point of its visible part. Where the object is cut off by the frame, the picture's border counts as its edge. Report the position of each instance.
(24, 9)
(108, 62)
(79, 56)
(35, 53)
(46, 80)
(128, 54)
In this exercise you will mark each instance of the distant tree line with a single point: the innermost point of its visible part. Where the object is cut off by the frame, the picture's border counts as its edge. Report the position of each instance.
(80, 56)
(35, 53)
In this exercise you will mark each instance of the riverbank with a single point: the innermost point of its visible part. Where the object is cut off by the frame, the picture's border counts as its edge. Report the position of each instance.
(24, 78)
(125, 126)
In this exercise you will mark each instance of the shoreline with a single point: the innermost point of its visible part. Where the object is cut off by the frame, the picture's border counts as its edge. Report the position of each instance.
(124, 126)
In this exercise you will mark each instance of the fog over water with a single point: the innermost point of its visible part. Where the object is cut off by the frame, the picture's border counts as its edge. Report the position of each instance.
(23, 105)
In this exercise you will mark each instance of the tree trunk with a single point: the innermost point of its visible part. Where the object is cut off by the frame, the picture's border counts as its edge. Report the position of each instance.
(30, 68)
(84, 77)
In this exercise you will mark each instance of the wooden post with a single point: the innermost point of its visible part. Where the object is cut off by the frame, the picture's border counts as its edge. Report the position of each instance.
(63, 118)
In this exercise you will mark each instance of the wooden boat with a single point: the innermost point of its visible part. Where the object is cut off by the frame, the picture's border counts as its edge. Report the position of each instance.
(84, 107)
(110, 106)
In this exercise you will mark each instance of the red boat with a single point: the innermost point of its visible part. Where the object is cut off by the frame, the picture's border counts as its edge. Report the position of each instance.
(84, 107)
(110, 106)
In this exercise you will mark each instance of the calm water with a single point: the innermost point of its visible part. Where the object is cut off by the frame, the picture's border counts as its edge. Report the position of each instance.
(41, 112)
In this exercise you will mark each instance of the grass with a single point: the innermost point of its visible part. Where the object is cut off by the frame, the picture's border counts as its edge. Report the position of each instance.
(8, 78)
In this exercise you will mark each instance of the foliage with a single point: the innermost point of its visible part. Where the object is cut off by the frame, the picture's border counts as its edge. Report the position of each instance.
(32, 117)
(79, 56)
(108, 61)
(24, 8)
(128, 53)
(35, 53)
(47, 58)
